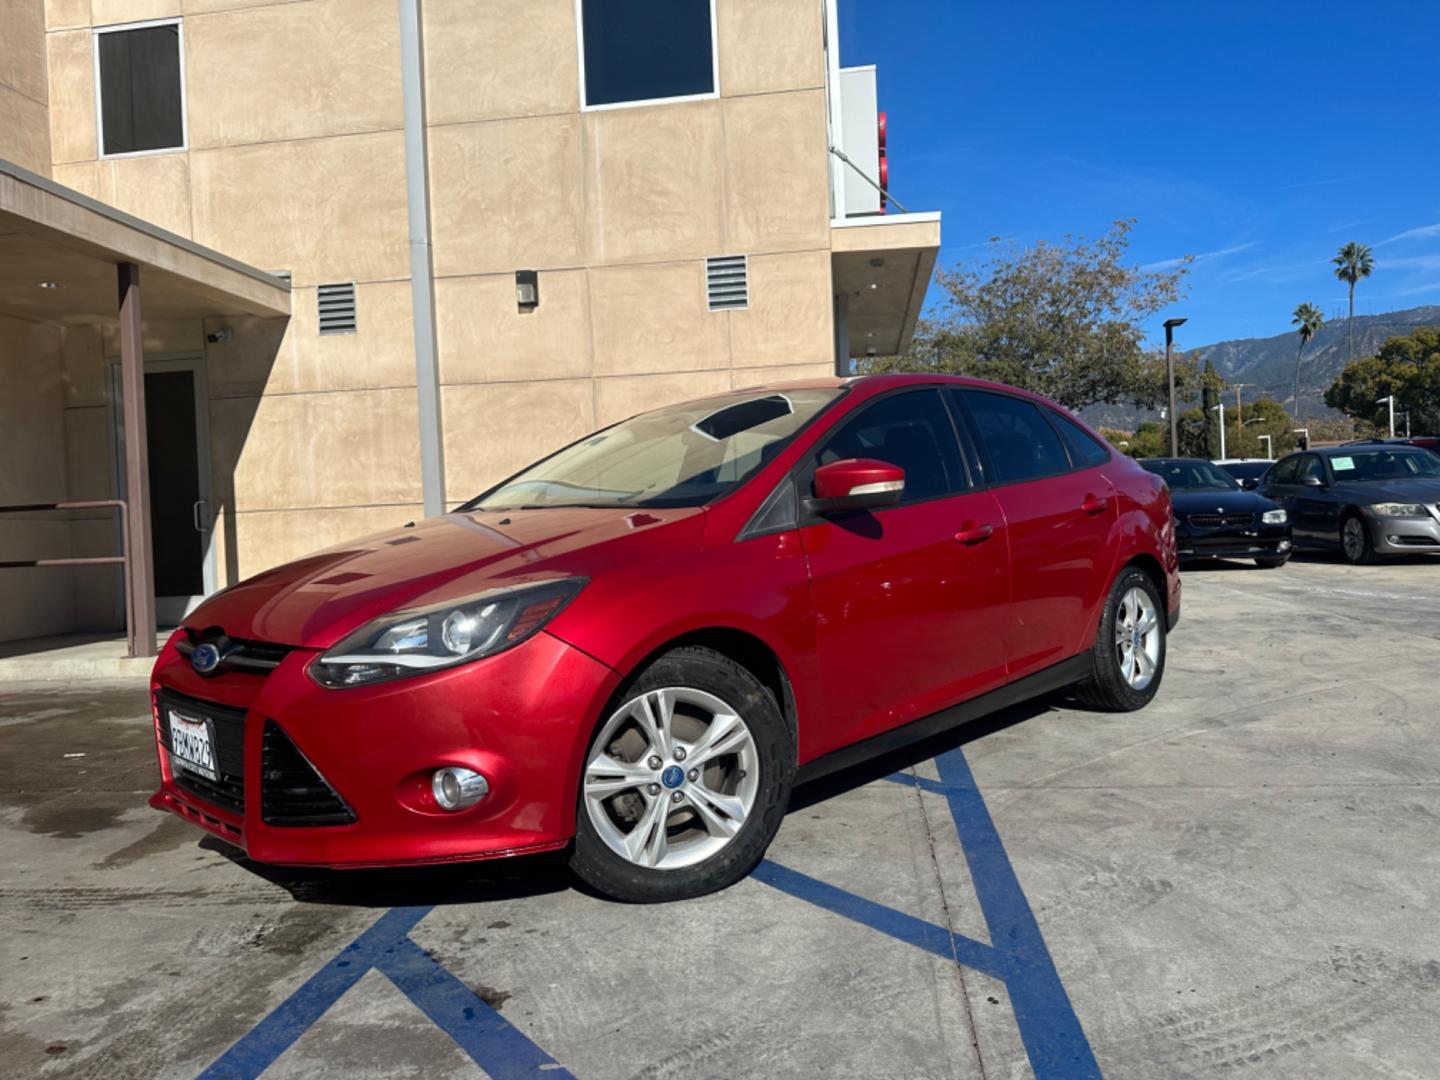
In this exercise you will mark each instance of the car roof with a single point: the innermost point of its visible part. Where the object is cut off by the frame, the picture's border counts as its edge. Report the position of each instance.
(1350, 448)
(877, 384)
(1174, 461)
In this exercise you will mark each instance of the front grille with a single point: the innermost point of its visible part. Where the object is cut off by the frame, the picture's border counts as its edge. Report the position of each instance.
(259, 657)
(1216, 521)
(228, 725)
(292, 791)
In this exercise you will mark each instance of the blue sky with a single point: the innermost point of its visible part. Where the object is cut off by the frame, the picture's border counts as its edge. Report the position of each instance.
(1257, 136)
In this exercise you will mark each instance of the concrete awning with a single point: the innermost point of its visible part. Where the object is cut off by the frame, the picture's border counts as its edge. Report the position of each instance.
(52, 235)
(881, 267)
(66, 259)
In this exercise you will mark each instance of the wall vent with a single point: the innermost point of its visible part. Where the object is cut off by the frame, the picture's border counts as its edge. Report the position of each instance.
(725, 283)
(337, 308)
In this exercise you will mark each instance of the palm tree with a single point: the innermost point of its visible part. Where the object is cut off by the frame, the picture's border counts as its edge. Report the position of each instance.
(1309, 319)
(1352, 263)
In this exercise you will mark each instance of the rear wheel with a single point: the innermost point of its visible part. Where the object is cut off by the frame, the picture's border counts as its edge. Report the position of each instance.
(1129, 646)
(685, 783)
(1355, 541)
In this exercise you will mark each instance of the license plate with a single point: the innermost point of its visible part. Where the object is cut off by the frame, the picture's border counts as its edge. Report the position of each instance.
(192, 746)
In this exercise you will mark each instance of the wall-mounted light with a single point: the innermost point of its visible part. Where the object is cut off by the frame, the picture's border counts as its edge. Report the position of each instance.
(527, 289)
(49, 285)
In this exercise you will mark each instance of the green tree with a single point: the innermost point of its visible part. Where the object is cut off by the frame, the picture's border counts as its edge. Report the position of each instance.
(1210, 386)
(1063, 319)
(1263, 416)
(1407, 366)
(1353, 262)
(1309, 319)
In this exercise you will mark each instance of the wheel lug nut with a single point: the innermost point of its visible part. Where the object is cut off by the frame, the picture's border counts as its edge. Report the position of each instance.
(655, 761)
(693, 774)
(653, 789)
(675, 796)
(679, 753)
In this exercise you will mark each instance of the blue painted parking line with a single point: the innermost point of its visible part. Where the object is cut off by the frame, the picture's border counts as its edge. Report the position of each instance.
(1054, 1040)
(491, 1041)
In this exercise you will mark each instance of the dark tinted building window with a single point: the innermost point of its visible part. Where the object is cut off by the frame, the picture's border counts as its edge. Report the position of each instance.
(141, 106)
(911, 430)
(636, 50)
(1085, 451)
(1018, 441)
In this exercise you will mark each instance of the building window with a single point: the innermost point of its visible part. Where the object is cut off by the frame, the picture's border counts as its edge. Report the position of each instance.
(634, 51)
(140, 85)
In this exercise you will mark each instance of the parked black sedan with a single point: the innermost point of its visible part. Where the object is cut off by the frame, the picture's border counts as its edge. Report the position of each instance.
(1368, 500)
(1215, 518)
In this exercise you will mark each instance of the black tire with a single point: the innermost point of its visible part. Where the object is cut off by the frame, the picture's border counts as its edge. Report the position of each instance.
(1107, 690)
(1274, 563)
(1363, 552)
(702, 669)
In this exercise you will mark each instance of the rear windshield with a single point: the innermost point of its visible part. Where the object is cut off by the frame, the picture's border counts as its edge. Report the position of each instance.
(682, 455)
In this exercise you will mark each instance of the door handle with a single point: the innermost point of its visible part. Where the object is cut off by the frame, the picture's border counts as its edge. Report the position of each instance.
(974, 534)
(197, 515)
(1094, 504)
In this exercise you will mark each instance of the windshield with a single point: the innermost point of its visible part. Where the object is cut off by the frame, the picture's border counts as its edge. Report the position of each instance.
(1383, 465)
(683, 455)
(1192, 476)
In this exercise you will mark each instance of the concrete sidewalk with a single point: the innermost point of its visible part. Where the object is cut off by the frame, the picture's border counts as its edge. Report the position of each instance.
(72, 657)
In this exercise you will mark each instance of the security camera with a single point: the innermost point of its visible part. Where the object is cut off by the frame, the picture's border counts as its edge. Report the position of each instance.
(221, 336)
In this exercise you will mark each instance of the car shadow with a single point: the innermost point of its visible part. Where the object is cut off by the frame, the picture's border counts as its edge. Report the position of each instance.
(547, 873)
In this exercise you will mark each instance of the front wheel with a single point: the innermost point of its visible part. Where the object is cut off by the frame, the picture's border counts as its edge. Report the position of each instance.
(685, 782)
(1355, 541)
(1129, 649)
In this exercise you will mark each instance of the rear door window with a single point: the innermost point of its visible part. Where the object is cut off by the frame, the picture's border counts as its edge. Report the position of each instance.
(1085, 451)
(1018, 442)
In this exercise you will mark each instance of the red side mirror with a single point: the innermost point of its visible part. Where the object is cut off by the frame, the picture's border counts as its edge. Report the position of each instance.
(857, 484)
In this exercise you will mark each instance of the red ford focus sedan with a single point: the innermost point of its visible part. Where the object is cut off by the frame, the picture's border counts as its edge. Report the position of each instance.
(634, 648)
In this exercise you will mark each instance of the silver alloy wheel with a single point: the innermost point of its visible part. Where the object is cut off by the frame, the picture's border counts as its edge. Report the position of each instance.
(671, 778)
(1354, 539)
(1137, 638)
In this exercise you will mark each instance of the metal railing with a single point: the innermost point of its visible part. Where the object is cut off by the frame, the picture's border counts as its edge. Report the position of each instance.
(123, 559)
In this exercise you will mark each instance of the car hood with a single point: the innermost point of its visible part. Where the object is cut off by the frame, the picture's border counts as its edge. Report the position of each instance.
(1374, 491)
(315, 601)
(1219, 502)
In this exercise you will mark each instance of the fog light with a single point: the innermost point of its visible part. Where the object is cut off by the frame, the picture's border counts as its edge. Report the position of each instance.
(1284, 545)
(456, 788)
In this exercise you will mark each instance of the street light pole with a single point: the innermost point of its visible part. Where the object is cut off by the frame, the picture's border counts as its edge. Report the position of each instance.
(1170, 325)
(1391, 400)
(1239, 420)
(1221, 407)
(1269, 453)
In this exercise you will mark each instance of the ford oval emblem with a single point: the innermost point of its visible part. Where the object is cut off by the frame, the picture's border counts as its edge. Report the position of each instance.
(205, 658)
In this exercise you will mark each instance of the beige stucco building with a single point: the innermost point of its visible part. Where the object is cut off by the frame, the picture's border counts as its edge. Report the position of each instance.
(256, 159)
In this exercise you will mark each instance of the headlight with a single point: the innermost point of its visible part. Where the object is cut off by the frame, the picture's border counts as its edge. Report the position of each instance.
(427, 639)
(1399, 510)
(1273, 517)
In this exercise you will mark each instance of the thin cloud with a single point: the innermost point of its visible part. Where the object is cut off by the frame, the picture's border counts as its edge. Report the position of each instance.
(1420, 232)
(1203, 257)
(1431, 286)
(1317, 183)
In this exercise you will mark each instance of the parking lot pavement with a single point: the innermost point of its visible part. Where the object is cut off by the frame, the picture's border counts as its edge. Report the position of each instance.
(1242, 879)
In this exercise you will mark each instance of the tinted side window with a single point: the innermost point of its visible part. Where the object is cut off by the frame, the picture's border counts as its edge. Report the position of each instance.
(1283, 472)
(1016, 438)
(1085, 451)
(1310, 466)
(140, 101)
(911, 430)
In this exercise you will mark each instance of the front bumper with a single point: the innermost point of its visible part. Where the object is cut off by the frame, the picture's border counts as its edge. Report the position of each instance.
(1232, 542)
(522, 719)
(1404, 536)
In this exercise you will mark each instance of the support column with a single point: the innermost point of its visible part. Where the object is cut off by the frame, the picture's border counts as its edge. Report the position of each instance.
(841, 316)
(137, 464)
(422, 272)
